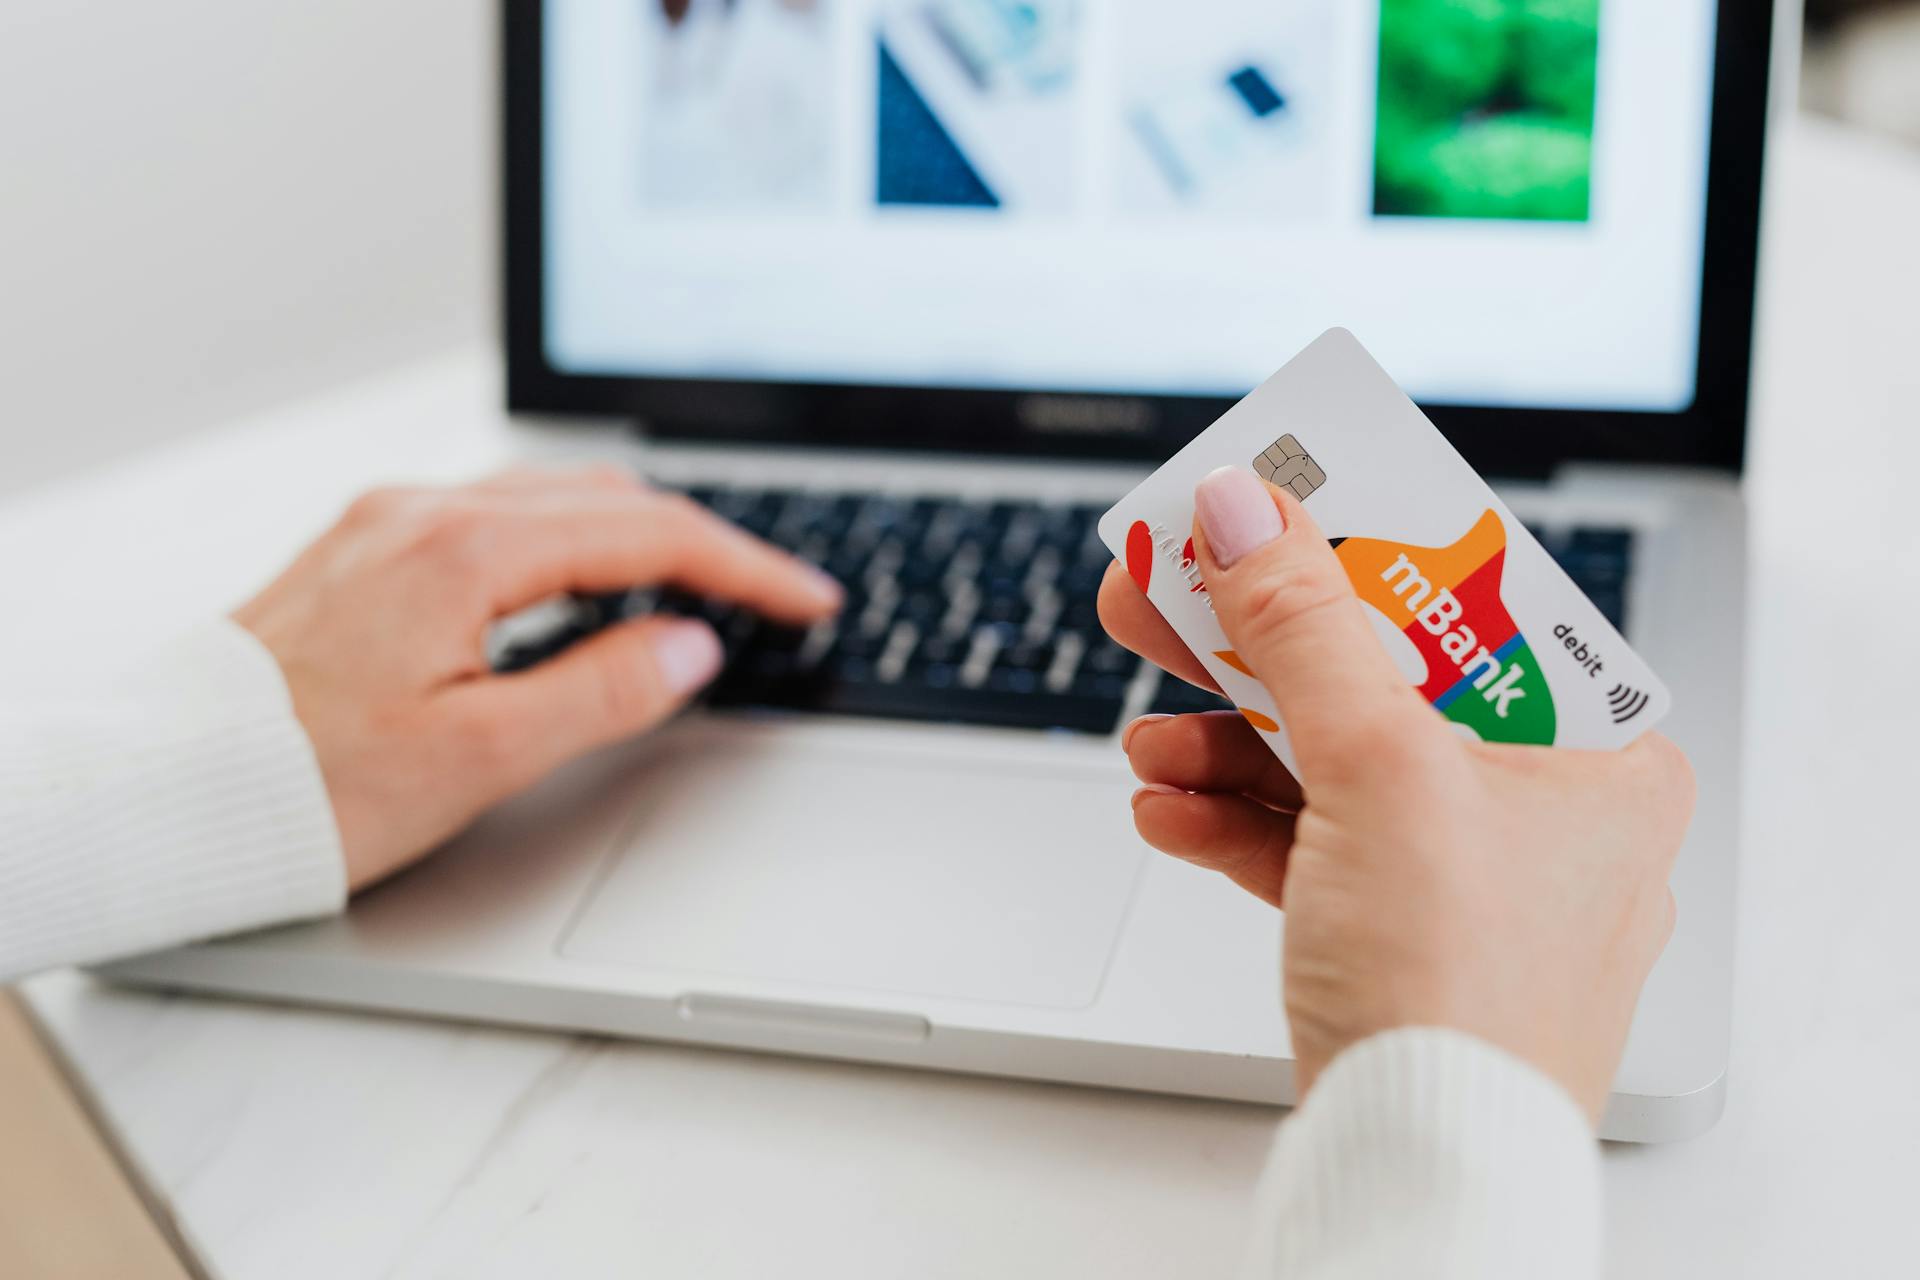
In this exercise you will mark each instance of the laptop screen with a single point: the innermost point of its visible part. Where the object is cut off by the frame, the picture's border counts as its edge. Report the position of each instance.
(1505, 199)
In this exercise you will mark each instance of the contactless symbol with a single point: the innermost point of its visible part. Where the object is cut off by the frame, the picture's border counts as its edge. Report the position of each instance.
(1286, 464)
(1626, 703)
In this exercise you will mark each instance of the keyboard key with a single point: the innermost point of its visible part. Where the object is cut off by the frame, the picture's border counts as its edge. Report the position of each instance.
(1098, 684)
(1005, 605)
(1013, 680)
(1027, 655)
(1610, 542)
(1600, 562)
(1108, 658)
(1612, 604)
(942, 650)
(533, 652)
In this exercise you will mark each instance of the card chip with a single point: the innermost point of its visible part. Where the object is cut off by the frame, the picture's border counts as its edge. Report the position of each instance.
(1286, 464)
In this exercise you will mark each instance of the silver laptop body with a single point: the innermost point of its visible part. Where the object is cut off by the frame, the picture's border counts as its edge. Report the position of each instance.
(973, 898)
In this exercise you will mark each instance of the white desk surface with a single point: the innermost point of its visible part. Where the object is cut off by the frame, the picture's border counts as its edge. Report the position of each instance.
(293, 1143)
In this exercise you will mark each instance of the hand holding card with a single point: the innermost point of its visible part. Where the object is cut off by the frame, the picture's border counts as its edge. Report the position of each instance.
(1513, 894)
(1464, 602)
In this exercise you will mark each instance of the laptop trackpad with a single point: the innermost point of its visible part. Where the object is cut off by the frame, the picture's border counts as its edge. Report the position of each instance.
(940, 877)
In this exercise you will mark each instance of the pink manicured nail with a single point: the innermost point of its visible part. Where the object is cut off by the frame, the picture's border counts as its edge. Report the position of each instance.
(687, 655)
(1126, 734)
(827, 587)
(1237, 513)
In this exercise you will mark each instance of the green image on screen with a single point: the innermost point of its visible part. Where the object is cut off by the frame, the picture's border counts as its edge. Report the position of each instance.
(1485, 109)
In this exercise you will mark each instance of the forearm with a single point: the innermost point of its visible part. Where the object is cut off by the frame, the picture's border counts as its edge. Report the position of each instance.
(179, 801)
(1430, 1153)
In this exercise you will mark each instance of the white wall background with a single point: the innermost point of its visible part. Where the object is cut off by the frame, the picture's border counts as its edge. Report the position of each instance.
(1867, 71)
(210, 205)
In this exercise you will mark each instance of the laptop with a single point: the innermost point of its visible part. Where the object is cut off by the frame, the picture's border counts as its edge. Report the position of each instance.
(917, 290)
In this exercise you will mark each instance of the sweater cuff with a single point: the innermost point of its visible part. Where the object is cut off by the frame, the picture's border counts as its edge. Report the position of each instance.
(176, 802)
(1429, 1152)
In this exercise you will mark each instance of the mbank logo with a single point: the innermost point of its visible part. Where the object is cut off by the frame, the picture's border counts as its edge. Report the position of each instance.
(1480, 672)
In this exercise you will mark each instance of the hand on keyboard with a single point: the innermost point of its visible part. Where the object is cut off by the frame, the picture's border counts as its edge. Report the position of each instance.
(375, 629)
(958, 612)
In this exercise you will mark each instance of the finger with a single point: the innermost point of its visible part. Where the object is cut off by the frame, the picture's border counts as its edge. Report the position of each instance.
(1135, 624)
(1212, 751)
(616, 684)
(605, 542)
(1651, 779)
(1656, 772)
(1285, 601)
(601, 477)
(1244, 841)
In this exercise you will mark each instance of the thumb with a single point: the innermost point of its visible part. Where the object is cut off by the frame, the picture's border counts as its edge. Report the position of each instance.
(1285, 602)
(611, 686)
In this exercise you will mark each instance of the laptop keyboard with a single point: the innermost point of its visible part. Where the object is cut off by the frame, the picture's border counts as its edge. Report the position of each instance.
(957, 612)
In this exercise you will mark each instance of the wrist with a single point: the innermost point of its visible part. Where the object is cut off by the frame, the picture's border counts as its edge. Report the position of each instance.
(1464, 1147)
(1583, 1086)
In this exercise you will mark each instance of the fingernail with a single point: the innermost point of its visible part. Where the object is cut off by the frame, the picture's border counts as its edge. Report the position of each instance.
(687, 655)
(1156, 789)
(827, 587)
(1237, 514)
(1126, 734)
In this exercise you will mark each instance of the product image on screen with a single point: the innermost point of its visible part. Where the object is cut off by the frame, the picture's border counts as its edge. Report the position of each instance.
(1228, 110)
(975, 103)
(1129, 196)
(737, 105)
(1486, 108)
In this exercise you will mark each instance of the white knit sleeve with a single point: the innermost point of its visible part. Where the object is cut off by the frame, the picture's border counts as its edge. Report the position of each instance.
(1430, 1153)
(176, 801)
